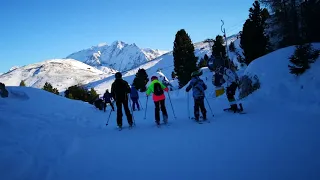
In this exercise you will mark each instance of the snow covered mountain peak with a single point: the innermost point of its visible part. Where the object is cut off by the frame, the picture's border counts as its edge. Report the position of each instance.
(61, 73)
(119, 55)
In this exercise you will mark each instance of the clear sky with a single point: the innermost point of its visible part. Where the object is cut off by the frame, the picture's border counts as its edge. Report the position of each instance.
(37, 30)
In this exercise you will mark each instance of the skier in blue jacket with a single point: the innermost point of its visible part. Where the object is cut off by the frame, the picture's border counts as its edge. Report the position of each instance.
(107, 100)
(134, 95)
(198, 88)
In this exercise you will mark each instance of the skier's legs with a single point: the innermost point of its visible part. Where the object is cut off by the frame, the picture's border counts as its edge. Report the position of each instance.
(119, 113)
(196, 108)
(231, 99)
(104, 106)
(203, 108)
(127, 111)
(138, 106)
(157, 111)
(111, 104)
(163, 108)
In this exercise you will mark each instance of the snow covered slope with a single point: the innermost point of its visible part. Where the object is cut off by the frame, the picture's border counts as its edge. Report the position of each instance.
(301, 93)
(61, 73)
(118, 55)
(45, 136)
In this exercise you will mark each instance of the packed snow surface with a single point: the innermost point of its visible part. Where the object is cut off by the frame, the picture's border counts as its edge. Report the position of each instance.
(45, 136)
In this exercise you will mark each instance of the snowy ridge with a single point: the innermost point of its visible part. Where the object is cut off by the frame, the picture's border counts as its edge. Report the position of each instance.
(61, 73)
(119, 55)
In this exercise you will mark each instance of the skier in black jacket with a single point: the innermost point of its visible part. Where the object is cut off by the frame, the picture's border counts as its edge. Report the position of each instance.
(119, 91)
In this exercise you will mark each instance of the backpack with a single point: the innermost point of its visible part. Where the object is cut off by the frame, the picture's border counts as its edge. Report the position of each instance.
(157, 89)
(200, 86)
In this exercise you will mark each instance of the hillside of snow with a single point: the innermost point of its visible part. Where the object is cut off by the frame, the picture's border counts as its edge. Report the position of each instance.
(119, 55)
(300, 93)
(61, 73)
(45, 136)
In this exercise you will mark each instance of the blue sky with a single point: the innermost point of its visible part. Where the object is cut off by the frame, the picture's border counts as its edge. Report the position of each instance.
(36, 30)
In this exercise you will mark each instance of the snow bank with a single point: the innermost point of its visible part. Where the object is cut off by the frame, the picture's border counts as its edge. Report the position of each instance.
(281, 87)
(36, 129)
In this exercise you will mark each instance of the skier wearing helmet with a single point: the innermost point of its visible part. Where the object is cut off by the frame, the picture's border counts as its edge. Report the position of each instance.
(157, 88)
(120, 90)
(198, 88)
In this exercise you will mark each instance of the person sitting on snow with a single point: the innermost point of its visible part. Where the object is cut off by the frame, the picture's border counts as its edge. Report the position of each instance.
(198, 88)
(134, 95)
(231, 80)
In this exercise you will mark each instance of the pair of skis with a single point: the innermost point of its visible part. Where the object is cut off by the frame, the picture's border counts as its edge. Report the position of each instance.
(202, 121)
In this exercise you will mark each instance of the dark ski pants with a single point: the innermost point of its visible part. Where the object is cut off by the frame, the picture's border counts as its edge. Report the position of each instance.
(199, 104)
(231, 91)
(105, 105)
(126, 110)
(134, 103)
(160, 105)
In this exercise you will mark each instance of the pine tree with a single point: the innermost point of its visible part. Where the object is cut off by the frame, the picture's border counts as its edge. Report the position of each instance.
(285, 21)
(232, 48)
(48, 87)
(219, 53)
(141, 80)
(185, 61)
(173, 75)
(253, 40)
(203, 61)
(55, 91)
(22, 83)
(302, 57)
(310, 13)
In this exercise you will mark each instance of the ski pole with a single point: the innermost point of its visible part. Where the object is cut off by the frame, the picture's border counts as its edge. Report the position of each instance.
(109, 117)
(134, 122)
(209, 106)
(145, 111)
(140, 104)
(171, 106)
(188, 107)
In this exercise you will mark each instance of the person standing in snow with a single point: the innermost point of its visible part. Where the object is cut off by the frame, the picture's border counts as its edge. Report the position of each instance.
(198, 88)
(218, 81)
(119, 91)
(157, 88)
(134, 95)
(231, 80)
(107, 100)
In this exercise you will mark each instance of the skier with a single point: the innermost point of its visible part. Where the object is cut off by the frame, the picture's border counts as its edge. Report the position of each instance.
(107, 100)
(98, 103)
(218, 81)
(157, 88)
(119, 91)
(134, 95)
(231, 80)
(198, 88)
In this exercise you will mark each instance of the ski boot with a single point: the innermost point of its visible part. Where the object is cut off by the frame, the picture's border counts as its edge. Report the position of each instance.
(204, 116)
(158, 123)
(165, 119)
(119, 127)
